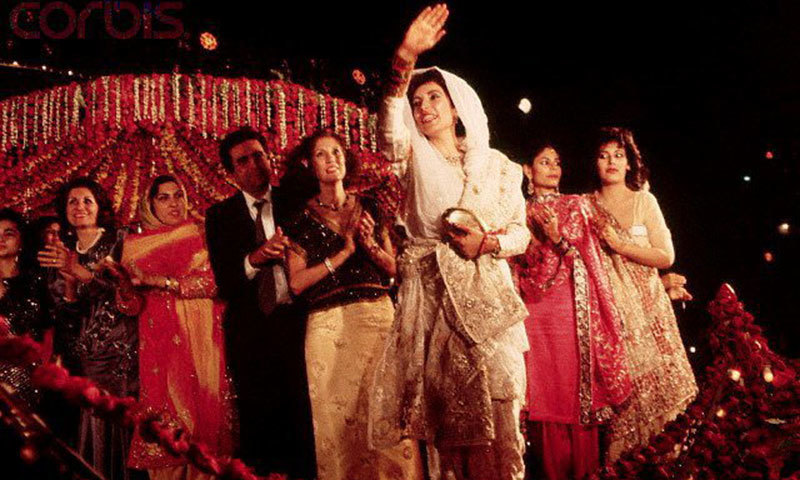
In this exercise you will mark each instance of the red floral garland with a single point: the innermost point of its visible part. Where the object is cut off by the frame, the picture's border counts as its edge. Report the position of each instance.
(125, 129)
(745, 424)
(122, 410)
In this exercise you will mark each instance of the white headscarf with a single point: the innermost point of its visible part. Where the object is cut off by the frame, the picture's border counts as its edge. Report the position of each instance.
(436, 184)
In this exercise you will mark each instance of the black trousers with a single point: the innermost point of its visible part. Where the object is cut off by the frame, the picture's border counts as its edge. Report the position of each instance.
(267, 359)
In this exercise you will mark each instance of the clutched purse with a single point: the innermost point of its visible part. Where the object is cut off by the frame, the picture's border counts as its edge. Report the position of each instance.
(456, 220)
(453, 218)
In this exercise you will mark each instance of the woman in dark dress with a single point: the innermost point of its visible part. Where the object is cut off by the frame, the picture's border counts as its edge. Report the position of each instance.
(25, 309)
(107, 339)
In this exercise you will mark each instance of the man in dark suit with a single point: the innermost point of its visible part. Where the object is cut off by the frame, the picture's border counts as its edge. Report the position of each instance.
(264, 329)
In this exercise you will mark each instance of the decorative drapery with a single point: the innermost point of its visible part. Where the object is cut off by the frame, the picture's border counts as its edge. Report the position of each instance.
(124, 129)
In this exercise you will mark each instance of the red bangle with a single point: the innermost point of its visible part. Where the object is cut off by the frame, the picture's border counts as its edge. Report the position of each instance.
(483, 241)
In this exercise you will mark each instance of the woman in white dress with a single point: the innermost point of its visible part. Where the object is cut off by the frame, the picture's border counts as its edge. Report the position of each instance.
(453, 372)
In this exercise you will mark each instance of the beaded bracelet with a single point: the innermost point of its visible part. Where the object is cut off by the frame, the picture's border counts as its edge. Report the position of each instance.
(329, 265)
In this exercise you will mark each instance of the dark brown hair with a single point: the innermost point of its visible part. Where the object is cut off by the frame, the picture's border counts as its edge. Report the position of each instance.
(638, 174)
(300, 180)
(436, 77)
(105, 213)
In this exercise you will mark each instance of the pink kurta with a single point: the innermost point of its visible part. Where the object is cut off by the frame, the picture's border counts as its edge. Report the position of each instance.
(577, 367)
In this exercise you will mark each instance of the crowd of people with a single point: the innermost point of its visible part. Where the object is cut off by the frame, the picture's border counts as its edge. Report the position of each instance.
(302, 329)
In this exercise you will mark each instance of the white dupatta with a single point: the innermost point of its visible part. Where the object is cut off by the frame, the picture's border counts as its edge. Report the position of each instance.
(435, 184)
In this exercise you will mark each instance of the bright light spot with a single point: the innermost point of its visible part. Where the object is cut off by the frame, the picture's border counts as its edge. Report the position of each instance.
(769, 257)
(70, 73)
(768, 375)
(734, 374)
(769, 155)
(692, 350)
(208, 41)
(784, 228)
(721, 412)
(746, 178)
(15, 63)
(525, 106)
(44, 67)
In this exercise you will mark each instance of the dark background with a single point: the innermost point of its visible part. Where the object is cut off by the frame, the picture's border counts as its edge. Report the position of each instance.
(708, 89)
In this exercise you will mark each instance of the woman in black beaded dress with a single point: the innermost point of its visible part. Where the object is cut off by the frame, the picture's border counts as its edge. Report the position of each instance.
(105, 305)
(25, 307)
(340, 263)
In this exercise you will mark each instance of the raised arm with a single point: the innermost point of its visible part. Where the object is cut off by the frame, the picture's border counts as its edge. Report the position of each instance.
(423, 34)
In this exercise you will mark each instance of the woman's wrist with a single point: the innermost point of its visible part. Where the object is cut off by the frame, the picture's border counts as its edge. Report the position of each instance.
(400, 74)
(405, 55)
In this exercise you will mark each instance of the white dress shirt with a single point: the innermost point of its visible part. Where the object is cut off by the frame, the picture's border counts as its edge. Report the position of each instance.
(268, 223)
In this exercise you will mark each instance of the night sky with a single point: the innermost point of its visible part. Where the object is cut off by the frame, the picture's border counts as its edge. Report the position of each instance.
(708, 88)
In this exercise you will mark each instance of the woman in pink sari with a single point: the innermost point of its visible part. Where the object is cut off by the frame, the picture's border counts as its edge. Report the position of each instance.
(181, 355)
(577, 369)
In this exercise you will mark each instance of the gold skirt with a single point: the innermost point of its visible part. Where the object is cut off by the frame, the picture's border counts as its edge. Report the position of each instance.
(342, 346)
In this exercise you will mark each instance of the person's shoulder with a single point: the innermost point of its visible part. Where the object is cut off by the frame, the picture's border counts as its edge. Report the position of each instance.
(646, 197)
(507, 166)
(224, 205)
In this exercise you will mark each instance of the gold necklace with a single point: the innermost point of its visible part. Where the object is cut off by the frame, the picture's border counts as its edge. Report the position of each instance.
(332, 206)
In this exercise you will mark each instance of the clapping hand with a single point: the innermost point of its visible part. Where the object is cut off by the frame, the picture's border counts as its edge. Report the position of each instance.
(425, 31)
(272, 249)
(547, 220)
(366, 231)
(65, 260)
(118, 273)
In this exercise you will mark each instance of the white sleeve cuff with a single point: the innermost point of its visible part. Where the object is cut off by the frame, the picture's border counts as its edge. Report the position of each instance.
(249, 270)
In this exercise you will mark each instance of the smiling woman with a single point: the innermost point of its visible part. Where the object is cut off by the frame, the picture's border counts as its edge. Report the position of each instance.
(340, 262)
(103, 302)
(452, 372)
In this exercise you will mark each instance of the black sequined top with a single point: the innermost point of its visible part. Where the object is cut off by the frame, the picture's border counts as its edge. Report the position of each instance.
(358, 278)
(26, 304)
(27, 308)
(107, 343)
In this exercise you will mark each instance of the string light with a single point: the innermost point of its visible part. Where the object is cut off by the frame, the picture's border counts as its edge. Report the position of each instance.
(734, 374)
(768, 375)
(769, 257)
(746, 178)
(769, 155)
(784, 228)
(721, 413)
(42, 68)
(208, 41)
(692, 350)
